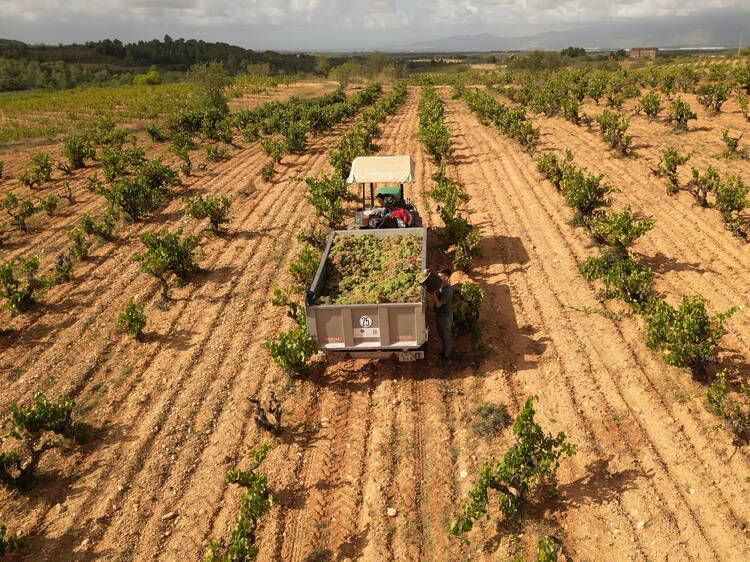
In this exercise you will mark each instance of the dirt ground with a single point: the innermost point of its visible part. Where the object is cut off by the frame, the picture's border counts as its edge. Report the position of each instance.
(655, 478)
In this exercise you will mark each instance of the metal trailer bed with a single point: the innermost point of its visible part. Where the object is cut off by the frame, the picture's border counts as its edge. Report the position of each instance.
(371, 331)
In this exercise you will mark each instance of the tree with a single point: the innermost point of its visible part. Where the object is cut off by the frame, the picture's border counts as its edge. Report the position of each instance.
(211, 78)
(573, 52)
(534, 456)
(168, 253)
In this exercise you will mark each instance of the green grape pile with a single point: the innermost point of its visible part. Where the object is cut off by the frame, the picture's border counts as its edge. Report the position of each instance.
(368, 270)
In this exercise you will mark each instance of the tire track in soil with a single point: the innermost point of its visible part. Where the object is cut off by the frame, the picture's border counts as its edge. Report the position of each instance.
(276, 200)
(531, 182)
(302, 533)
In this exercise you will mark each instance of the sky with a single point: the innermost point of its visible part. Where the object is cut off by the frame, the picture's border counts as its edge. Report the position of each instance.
(328, 24)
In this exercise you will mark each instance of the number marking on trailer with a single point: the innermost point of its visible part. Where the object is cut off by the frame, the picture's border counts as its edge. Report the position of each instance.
(365, 321)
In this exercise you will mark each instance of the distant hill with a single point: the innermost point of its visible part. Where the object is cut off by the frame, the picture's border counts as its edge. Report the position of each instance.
(664, 33)
(172, 54)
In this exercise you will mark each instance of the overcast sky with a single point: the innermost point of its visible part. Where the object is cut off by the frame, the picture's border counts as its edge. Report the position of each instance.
(326, 24)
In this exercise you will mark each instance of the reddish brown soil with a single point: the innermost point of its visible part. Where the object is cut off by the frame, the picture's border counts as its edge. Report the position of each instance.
(654, 478)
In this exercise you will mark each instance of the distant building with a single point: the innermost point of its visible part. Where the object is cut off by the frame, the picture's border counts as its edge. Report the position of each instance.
(643, 53)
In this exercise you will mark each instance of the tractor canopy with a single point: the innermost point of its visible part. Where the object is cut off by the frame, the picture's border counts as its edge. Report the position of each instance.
(382, 169)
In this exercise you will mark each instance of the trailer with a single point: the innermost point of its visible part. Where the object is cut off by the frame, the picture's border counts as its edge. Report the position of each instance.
(368, 331)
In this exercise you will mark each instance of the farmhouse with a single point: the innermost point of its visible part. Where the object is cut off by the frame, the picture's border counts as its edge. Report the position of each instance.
(643, 52)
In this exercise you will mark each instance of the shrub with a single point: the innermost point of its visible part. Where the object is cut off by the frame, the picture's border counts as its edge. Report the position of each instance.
(703, 184)
(731, 200)
(554, 168)
(736, 419)
(680, 113)
(742, 101)
(62, 271)
(619, 230)
(623, 277)
(48, 203)
(466, 310)
(168, 253)
(571, 110)
(20, 292)
(490, 419)
(292, 349)
(327, 195)
(613, 127)
(534, 456)
(81, 245)
(19, 210)
(132, 319)
(670, 160)
(257, 501)
(585, 193)
(295, 138)
(650, 103)
(216, 153)
(713, 96)
(113, 162)
(304, 266)
(77, 149)
(467, 248)
(688, 336)
(64, 167)
(102, 227)
(136, 197)
(732, 145)
(41, 167)
(30, 423)
(213, 207)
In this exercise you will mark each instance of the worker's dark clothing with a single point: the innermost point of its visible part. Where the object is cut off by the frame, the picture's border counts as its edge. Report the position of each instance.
(444, 318)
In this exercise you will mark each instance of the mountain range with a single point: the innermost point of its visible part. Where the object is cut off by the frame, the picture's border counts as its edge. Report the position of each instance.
(686, 32)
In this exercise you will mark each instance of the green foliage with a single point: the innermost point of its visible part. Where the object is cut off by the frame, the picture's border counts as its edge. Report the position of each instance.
(623, 277)
(48, 203)
(211, 78)
(703, 184)
(732, 145)
(680, 113)
(213, 207)
(534, 456)
(2, 166)
(613, 127)
(132, 319)
(256, 502)
(10, 543)
(39, 170)
(434, 134)
(215, 153)
(688, 336)
(291, 349)
(327, 195)
(19, 210)
(650, 103)
(466, 310)
(103, 227)
(139, 195)
(619, 230)
(62, 271)
(168, 253)
(742, 101)
(731, 200)
(81, 245)
(44, 415)
(554, 168)
(77, 149)
(303, 267)
(467, 248)
(547, 550)
(736, 418)
(19, 283)
(713, 96)
(670, 160)
(585, 193)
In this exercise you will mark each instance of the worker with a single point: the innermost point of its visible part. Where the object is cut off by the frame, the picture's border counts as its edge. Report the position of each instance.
(443, 301)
